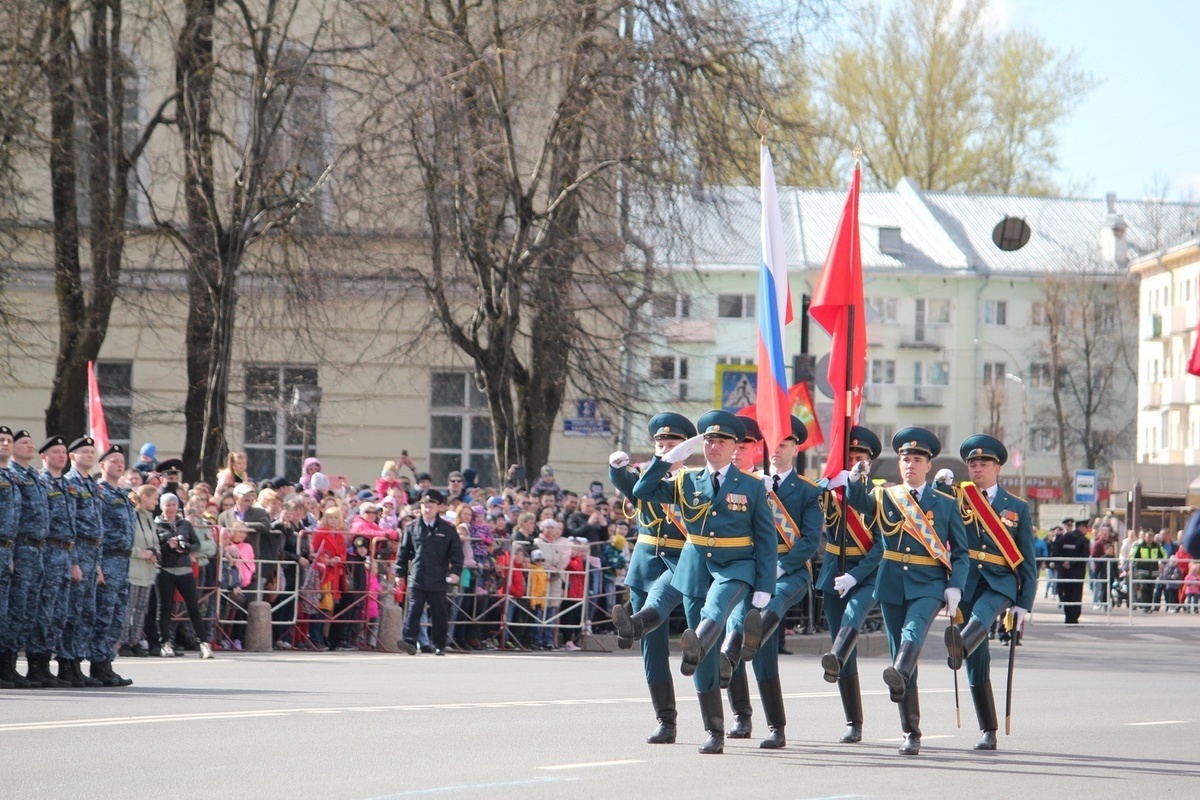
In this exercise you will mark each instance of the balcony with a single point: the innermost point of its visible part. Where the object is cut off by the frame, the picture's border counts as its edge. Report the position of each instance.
(689, 330)
(1174, 321)
(921, 396)
(925, 337)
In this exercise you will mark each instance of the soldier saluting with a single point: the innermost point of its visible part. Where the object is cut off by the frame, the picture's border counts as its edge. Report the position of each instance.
(730, 552)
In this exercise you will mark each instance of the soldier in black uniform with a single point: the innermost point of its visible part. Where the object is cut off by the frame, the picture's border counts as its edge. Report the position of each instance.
(432, 546)
(1071, 545)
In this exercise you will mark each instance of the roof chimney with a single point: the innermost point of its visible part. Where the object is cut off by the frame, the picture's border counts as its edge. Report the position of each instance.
(1114, 247)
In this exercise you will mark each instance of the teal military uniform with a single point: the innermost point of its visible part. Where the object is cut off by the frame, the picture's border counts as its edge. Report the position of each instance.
(910, 584)
(992, 586)
(651, 565)
(845, 615)
(730, 551)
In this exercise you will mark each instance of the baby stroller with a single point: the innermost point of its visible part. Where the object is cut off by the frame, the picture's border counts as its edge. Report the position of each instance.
(1120, 590)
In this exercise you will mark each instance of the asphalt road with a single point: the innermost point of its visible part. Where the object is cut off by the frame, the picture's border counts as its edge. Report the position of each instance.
(1100, 711)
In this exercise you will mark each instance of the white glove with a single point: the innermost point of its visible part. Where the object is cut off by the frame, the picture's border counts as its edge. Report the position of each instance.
(860, 471)
(1019, 617)
(760, 600)
(684, 449)
(838, 481)
(844, 583)
(944, 476)
(952, 596)
(779, 572)
(618, 459)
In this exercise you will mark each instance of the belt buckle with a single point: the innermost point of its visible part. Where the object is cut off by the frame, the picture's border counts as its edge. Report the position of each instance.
(906, 558)
(712, 541)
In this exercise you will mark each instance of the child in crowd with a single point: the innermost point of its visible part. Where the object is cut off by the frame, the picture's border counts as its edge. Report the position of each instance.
(576, 582)
(1191, 589)
(539, 581)
(546, 484)
(513, 566)
(388, 480)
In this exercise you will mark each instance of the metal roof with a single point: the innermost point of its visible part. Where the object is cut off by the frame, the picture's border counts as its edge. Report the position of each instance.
(939, 231)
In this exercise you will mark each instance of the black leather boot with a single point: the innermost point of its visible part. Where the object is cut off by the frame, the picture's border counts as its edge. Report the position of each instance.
(902, 670)
(77, 671)
(910, 722)
(739, 704)
(662, 696)
(111, 678)
(66, 674)
(852, 705)
(843, 643)
(8, 669)
(731, 656)
(961, 643)
(696, 645)
(38, 676)
(771, 693)
(770, 623)
(714, 722)
(985, 711)
(635, 626)
(752, 634)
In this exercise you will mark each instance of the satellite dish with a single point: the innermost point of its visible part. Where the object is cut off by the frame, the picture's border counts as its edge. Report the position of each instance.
(1011, 233)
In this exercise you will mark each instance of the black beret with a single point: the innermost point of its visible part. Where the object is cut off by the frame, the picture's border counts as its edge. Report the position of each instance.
(53, 441)
(113, 450)
(82, 441)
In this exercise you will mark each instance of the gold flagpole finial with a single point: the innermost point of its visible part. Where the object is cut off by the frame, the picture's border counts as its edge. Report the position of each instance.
(858, 151)
(762, 126)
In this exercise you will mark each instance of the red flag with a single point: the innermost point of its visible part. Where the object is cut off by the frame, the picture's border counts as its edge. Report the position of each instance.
(840, 289)
(802, 407)
(1194, 361)
(97, 427)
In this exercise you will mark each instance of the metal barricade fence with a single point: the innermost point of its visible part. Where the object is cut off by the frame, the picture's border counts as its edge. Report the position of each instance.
(1115, 583)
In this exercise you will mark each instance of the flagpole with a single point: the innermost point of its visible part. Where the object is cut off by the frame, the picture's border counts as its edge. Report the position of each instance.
(847, 422)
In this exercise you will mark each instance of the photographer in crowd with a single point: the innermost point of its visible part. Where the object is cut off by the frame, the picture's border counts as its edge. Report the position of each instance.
(177, 544)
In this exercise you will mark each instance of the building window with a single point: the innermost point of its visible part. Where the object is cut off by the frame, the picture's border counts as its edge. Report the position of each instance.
(885, 431)
(735, 306)
(460, 428)
(931, 373)
(1039, 375)
(735, 360)
(933, 312)
(672, 373)
(995, 312)
(131, 127)
(942, 432)
(1043, 440)
(882, 310)
(671, 306)
(883, 371)
(278, 434)
(115, 382)
(993, 371)
(1039, 315)
(299, 117)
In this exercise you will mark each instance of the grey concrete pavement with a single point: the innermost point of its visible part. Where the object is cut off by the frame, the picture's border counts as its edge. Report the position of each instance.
(1100, 712)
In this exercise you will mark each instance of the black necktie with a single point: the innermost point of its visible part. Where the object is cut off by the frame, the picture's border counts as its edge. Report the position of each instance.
(776, 478)
(916, 496)
(716, 483)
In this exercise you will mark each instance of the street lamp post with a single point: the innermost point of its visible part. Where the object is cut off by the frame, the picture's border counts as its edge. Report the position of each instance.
(1024, 426)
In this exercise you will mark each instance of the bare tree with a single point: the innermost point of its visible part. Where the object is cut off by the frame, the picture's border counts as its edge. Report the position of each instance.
(550, 141)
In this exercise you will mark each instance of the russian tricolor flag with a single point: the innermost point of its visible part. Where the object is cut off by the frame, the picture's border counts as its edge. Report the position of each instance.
(774, 312)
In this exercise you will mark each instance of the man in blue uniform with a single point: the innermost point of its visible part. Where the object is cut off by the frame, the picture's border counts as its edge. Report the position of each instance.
(118, 525)
(75, 643)
(924, 565)
(1002, 573)
(796, 508)
(651, 595)
(848, 597)
(59, 564)
(33, 520)
(730, 552)
(10, 509)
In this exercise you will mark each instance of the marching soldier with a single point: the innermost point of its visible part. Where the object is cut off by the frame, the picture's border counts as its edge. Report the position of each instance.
(795, 506)
(118, 525)
(849, 596)
(924, 564)
(1002, 571)
(730, 552)
(81, 608)
(652, 597)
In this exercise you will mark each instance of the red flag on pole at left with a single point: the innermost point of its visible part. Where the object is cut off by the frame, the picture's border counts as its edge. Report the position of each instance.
(837, 306)
(97, 427)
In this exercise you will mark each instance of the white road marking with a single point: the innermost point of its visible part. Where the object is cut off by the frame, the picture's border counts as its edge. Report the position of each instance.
(595, 764)
(1159, 722)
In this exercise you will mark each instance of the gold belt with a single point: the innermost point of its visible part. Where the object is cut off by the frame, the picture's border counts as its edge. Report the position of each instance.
(851, 551)
(991, 558)
(909, 558)
(713, 541)
(785, 548)
(660, 541)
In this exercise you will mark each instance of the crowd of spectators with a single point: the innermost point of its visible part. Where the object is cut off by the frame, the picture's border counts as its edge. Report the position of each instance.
(541, 568)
